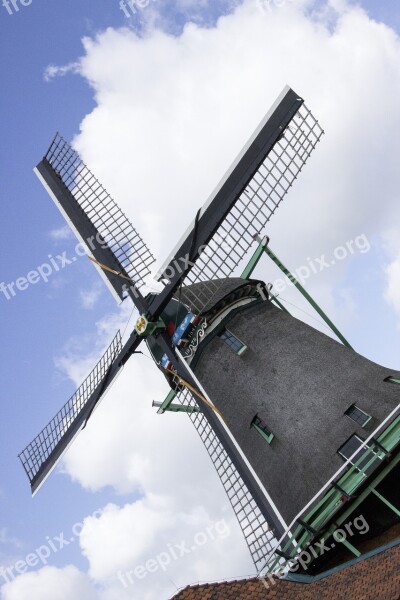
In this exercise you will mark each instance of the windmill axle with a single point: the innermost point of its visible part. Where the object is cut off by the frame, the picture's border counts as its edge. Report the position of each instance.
(144, 328)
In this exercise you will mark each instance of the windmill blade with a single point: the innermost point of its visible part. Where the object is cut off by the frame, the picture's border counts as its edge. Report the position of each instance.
(44, 452)
(244, 201)
(97, 221)
(255, 519)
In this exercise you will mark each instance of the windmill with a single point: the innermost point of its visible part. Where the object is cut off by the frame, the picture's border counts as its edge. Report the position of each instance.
(289, 417)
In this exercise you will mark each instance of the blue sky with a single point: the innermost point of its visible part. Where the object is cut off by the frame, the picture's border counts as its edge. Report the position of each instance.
(38, 324)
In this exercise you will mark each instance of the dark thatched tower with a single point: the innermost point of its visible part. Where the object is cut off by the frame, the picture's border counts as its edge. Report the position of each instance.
(298, 405)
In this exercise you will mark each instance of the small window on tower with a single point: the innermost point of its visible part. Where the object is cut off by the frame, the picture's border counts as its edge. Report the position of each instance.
(395, 380)
(232, 341)
(261, 427)
(358, 415)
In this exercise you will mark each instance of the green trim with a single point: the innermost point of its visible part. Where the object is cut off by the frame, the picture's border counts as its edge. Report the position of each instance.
(352, 478)
(391, 436)
(364, 494)
(267, 436)
(299, 578)
(360, 410)
(307, 296)
(253, 262)
(168, 406)
(325, 509)
(385, 501)
(225, 336)
(167, 402)
(248, 271)
(350, 547)
(275, 300)
(395, 380)
(219, 328)
(178, 408)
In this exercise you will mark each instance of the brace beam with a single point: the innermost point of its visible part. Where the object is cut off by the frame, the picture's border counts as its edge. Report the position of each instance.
(307, 296)
(253, 262)
(176, 408)
(385, 501)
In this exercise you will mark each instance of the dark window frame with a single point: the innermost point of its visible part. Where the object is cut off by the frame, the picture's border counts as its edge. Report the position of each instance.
(231, 340)
(359, 416)
(261, 427)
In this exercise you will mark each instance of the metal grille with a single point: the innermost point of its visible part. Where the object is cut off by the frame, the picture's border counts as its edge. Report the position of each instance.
(255, 206)
(39, 450)
(109, 220)
(259, 538)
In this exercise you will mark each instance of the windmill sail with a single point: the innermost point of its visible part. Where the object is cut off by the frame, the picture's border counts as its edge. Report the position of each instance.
(44, 452)
(257, 531)
(248, 196)
(256, 204)
(97, 221)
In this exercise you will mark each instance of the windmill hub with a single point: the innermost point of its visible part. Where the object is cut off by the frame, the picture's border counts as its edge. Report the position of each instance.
(144, 327)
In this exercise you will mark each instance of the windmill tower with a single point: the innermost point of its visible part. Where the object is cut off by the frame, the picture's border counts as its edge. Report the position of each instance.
(302, 430)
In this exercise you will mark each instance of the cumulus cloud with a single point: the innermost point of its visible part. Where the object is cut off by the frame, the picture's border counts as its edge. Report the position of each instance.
(150, 543)
(171, 114)
(182, 125)
(61, 233)
(50, 584)
(392, 293)
(6, 539)
(53, 71)
(89, 297)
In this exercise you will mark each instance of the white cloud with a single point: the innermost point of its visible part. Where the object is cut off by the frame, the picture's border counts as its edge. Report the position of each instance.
(50, 584)
(172, 113)
(392, 293)
(10, 540)
(89, 297)
(53, 71)
(75, 361)
(62, 233)
(151, 543)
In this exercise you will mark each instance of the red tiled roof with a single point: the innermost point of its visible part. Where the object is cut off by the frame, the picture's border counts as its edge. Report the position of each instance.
(375, 578)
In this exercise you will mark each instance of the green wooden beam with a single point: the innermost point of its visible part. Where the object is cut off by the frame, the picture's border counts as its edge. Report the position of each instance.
(330, 503)
(254, 260)
(389, 504)
(164, 405)
(350, 547)
(302, 543)
(175, 407)
(306, 295)
(275, 300)
(364, 494)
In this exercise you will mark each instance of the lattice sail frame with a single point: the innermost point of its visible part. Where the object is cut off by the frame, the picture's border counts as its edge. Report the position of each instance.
(39, 450)
(110, 221)
(257, 533)
(255, 206)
